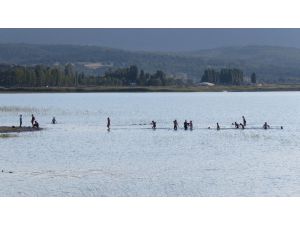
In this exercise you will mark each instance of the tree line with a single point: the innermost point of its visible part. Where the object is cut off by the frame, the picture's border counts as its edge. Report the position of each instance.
(66, 76)
(226, 76)
(38, 76)
(132, 76)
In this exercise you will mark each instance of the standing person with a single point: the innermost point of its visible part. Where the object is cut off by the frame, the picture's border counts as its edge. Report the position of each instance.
(175, 124)
(185, 125)
(266, 126)
(53, 120)
(244, 121)
(108, 123)
(32, 119)
(21, 120)
(191, 125)
(218, 126)
(153, 124)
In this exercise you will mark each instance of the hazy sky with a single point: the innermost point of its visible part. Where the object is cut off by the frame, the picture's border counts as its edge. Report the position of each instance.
(155, 39)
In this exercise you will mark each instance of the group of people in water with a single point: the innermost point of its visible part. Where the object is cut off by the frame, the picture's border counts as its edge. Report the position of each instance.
(186, 125)
(243, 124)
(240, 125)
(34, 122)
(189, 125)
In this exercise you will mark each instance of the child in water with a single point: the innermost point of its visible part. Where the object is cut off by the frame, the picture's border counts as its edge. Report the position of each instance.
(36, 124)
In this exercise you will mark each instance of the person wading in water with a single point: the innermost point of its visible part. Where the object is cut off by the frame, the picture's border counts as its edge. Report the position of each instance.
(191, 125)
(36, 124)
(108, 123)
(21, 120)
(32, 119)
(175, 124)
(185, 125)
(242, 126)
(266, 126)
(153, 124)
(244, 121)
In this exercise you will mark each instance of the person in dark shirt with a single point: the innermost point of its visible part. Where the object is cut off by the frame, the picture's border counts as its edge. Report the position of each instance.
(185, 125)
(36, 124)
(108, 123)
(244, 121)
(153, 124)
(266, 126)
(53, 120)
(32, 119)
(21, 120)
(242, 126)
(191, 125)
(218, 126)
(175, 124)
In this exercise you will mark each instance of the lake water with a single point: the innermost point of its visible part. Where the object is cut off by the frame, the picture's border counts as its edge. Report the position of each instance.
(79, 157)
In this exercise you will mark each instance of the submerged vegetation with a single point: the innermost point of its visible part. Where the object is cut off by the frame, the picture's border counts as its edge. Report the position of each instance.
(7, 135)
(17, 109)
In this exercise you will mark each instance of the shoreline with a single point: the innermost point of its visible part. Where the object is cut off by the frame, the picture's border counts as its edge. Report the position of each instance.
(87, 89)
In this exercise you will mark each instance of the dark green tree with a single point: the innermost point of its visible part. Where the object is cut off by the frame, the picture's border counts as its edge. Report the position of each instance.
(253, 78)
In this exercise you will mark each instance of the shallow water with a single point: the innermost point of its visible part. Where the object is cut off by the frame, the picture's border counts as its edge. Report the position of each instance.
(79, 157)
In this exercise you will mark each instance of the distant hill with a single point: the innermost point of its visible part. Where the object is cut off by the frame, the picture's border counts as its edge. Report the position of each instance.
(269, 63)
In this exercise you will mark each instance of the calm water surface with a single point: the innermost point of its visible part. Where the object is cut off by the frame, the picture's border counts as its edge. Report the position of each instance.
(79, 157)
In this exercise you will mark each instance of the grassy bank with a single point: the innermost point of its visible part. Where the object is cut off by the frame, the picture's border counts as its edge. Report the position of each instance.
(270, 87)
(6, 129)
(7, 135)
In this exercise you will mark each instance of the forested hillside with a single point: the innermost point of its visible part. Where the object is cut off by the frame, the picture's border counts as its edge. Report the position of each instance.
(271, 64)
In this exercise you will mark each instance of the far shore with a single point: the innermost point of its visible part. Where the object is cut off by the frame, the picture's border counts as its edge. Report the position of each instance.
(217, 88)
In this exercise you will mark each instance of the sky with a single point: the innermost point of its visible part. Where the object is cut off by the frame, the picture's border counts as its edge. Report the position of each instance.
(155, 39)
